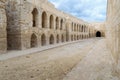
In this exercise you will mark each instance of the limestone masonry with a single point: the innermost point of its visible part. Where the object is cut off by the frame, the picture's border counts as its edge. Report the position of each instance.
(113, 31)
(37, 23)
(3, 32)
(26, 24)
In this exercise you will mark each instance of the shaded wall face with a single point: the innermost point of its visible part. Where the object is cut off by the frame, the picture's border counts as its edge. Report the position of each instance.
(19, 17)
(13, 24)
(3, 42)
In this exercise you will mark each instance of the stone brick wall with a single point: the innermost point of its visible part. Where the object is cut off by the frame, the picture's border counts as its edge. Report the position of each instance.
(112, 27)
(3, 42)
(37, 23)
(39, 17)
(113, 31)
(13, 24)
(99, 27)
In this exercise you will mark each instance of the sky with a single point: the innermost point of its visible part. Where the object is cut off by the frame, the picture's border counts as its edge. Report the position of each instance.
(88, 10)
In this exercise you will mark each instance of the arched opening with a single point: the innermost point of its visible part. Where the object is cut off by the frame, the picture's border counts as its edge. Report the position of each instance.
(82, 30)
(51, 40)
(57, 39)
(74, 37)
(62, 38)
(89, 35)
(33, 40)
(61, 24)
(34, 17)
(74, 27)
(51, 22)
(43, 40)
(44, 20)
(57, 23)
(82, 37)
(77, 27)
(98, 34)
(71, 37)
(77, 37)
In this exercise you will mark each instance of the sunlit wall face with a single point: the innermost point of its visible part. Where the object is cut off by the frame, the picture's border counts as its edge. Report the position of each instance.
(113, 28)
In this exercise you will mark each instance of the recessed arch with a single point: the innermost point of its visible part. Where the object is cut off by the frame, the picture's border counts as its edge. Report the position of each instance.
(71, 37)
(62, 38)
(34, 17)
(44, 19)
(61, 24)
(33, 40)
(77, 27)
(77, 37)
(74, 37)
(82, 37)
(51, 22)
(82, 28)
(51, 39)
(57, 39)
(85, 28)
(57, 23)
(98, 34)
(74, 27)
(67, 37)
(43, 40)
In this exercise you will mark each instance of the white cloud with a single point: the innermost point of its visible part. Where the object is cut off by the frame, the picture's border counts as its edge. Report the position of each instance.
(88, 10)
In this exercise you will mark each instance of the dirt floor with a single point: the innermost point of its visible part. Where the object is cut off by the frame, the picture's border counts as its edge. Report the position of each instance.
(53, 64)
(97, 65)
(85, 60)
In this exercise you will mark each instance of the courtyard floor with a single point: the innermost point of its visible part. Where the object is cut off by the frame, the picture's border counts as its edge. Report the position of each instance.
(83, 60)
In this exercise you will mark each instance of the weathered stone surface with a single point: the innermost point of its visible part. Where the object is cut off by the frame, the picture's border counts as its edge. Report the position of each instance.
(36, 23)
(113, 32)
(3, 42)
(39, 23)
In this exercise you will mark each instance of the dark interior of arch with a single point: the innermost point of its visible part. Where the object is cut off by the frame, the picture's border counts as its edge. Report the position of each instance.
(98, 34)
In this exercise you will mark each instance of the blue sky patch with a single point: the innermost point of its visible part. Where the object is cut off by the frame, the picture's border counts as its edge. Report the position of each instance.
(88, 10)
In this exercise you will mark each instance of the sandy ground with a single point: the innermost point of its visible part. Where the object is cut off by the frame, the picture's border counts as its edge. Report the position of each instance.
(97, 65)
(53, 64)
(16, 53)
